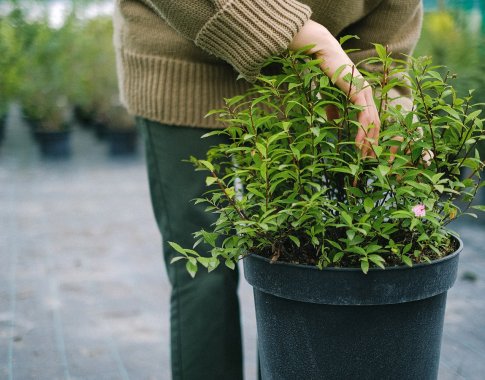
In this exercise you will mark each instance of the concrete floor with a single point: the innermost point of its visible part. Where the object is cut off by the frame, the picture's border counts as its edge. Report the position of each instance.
(83, 292)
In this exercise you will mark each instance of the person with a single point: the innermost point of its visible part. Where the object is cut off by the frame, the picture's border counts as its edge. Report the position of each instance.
(178, 59)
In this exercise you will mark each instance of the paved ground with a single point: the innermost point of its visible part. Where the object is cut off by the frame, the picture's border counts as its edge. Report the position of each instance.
(83, 293)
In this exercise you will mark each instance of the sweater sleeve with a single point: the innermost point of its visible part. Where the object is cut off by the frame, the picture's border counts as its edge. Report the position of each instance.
(244, 33)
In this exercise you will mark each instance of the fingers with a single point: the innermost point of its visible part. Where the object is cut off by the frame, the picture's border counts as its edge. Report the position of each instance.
(368, 134)
(395, 148)
(333, 57)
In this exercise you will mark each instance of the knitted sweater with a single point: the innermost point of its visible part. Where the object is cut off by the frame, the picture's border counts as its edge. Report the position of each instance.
(177, 59)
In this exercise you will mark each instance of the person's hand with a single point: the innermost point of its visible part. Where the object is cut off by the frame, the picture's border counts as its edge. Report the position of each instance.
(328, 49)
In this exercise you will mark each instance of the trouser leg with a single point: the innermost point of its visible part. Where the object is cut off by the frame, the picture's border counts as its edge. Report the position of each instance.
(204, 313)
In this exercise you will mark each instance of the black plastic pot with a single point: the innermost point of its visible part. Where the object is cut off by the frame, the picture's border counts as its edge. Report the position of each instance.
(338, 324)
(84, 118)
(100, 130)
(122, 142)
(54, 144)
(3, 122)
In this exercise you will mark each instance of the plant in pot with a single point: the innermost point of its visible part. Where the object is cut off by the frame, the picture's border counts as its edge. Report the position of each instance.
(122, 133)
(3, 116)
(10, 65)
(43, 89)
(96, 96)
(349, 257)
(48, 114)
(4, 65)
(462, 54)
(93, 62)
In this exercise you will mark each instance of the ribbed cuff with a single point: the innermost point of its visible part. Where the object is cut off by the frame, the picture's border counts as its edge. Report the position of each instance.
(246, 33)
(175, 92)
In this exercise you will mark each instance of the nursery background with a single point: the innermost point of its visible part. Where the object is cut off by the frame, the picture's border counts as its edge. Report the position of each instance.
(83, 292)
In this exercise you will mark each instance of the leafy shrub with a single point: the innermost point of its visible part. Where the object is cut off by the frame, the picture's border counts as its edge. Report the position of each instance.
(290, 185)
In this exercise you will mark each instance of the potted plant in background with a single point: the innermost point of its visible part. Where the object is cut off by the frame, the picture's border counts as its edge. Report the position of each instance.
(44, 87)
(95, 98)
(122, 134)
(5, 60)
(349, 257)
(463, 54)
(11, 64)
(90, 68)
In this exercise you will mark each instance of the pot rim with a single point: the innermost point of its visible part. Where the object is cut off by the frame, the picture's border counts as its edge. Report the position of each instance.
(351, 286)
(373, 269)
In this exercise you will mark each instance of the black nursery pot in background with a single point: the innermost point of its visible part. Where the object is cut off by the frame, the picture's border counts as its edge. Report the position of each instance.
(122, 142)
(54, 144)
(339, 323)
(85, 118)
(3, 122)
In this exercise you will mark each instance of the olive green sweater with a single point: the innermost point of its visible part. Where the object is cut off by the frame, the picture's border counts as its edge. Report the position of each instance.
(177, 59)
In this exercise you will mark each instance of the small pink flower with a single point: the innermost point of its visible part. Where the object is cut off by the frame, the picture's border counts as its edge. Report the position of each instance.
(419, 210)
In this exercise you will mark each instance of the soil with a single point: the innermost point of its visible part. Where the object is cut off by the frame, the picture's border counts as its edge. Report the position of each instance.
(307, 255)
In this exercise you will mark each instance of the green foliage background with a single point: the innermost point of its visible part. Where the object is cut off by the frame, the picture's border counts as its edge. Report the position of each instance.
(453, 37)
(48, 68)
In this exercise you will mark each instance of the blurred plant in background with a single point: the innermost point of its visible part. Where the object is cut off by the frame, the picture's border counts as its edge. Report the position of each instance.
(10, 68)
(57, 60)
(57, 57)
(454, 35)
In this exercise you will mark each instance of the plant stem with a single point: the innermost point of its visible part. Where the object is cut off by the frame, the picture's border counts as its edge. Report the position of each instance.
(428, 119)
(230, 199)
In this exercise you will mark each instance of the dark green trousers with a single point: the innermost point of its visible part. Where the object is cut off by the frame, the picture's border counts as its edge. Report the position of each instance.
(204, 312)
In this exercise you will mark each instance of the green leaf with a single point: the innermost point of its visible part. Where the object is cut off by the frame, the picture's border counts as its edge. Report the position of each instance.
(191, 268)
(295, 240)
(206, 164)
(230, 264)
(350, 234)
(346, 217)
(368, 205)
(353, 169)
(177, 258)
(324, 81)
(377, 259)
(439, 188)
(263, 169)
(383, 169)
(423, 237)
(416, 153)
(256, 192)
(401, 214)
(378, 149)
(210, 180)
(210, 237)
(262, 149)
(315, 131)
(230, 192)
(337, 73)
(205, 261)
(178, 248)
(233, 100)
(407, 248)
(381, 51)
(414, 223)
(337, 257)
(343, 39)
(295, 151)
(479, 207)
(406, 260)
(364, 265)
